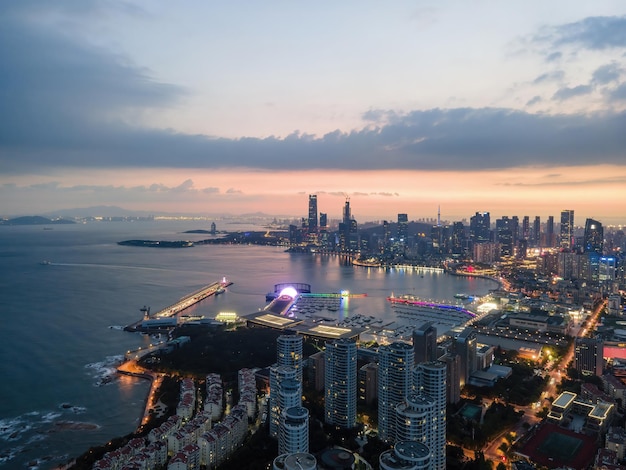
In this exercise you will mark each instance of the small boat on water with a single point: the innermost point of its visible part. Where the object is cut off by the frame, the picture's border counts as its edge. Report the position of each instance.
(462, 296)
(44, 262)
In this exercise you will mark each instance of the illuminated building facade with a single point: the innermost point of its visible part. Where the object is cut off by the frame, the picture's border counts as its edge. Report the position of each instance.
(465, 347)
(289, 353)
(395, 382)
(279, 375)
(340, 383)
(567, 229)
(293, 435)
(430, 379)
(480, 228)
(593, 237)
(588, 356)
(312, 220)
(403, 227)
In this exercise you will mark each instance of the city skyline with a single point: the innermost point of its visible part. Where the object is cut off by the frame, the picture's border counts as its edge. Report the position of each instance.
(219, 109)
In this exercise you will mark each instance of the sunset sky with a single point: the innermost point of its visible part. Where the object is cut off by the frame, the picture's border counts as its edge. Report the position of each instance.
(516, 108)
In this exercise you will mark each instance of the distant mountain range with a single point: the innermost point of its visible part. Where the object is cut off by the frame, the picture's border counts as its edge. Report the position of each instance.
(115, 211)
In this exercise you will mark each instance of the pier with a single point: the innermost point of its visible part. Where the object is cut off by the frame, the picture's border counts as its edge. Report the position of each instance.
(183, 304)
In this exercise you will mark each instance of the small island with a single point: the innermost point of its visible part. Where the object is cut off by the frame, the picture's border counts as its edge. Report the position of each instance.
(157, 243)
(35, 220)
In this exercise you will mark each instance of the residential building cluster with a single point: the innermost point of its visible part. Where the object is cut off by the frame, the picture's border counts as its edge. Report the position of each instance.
(191, 438)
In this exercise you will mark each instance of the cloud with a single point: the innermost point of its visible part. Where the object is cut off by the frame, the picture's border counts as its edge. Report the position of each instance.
(606, 74)
(66, 104)
(618, 93)
(590, 182)
(534, 100)
(554, 56)
(566, 93)
(554, 76)
(598, 32)
(56, 90)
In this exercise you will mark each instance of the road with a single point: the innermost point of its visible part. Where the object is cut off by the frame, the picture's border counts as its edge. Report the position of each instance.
(556, 374)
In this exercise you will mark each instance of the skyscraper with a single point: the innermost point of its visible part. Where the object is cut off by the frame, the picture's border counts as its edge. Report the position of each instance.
(567, 229)
(395, 381)
(526, 227)
(550, 231)
(340, 383)
(536, 233)
(480, 227)
(425, 343)
(465, 347)
(594, 237)
(312, 221)
(504, 235)
(288, 369)
(403, 227)
(278, 376)
(289, 353)
(430, 380)
(346, 212)
(458, 240)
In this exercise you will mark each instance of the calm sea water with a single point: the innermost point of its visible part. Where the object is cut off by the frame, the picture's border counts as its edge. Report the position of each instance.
(58, 348)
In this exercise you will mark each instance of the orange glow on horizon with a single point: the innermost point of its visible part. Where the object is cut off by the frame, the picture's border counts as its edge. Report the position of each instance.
(374, 195)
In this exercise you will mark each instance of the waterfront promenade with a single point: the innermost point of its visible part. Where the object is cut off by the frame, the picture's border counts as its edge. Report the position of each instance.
(152, 406)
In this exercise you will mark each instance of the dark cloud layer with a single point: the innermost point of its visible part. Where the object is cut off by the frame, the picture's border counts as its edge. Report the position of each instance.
(599, 32)
(64, 103)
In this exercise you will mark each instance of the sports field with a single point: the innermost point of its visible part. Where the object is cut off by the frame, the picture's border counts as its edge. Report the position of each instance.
(553, 447)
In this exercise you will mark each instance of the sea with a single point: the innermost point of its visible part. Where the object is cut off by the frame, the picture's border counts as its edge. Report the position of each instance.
(66, 291)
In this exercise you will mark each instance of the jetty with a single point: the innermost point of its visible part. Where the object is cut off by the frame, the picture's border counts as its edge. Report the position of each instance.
(184, 303)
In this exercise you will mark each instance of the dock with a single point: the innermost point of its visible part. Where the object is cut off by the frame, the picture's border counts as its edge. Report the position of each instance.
(184, 303)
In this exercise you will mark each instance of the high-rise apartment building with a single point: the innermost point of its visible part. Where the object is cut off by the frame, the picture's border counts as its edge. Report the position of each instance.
(293, 435)
(289, 353)
(278, 376)
(405, 455)
(430, 380)
(567, 229)
(340, 383)
(414, 418)
(288, 369)
(425, 343)
(593, 237)
(395, 382)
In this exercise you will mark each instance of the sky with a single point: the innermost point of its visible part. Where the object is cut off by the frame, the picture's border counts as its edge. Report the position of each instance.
(515, 108)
